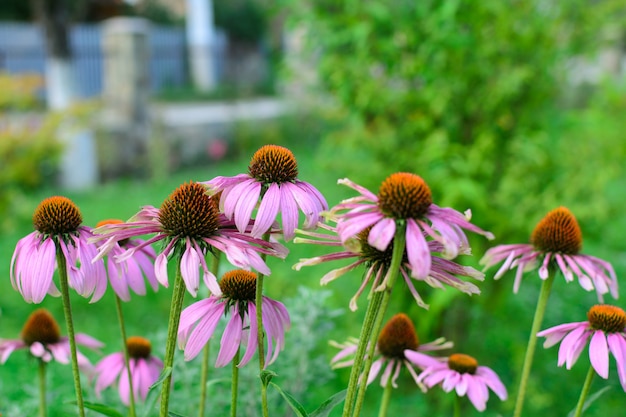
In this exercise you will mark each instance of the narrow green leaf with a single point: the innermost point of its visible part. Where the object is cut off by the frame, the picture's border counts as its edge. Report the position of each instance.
(297, 408)
(327, 406)
(266, 376)
(591, 399)
(173, 414)
(164, 374)
(102, 409)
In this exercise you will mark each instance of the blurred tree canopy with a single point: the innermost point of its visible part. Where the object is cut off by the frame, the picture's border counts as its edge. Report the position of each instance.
(469, 95)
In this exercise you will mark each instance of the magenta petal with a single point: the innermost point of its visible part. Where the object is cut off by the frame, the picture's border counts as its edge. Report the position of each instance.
(599, 354)
(382, 234)
(617, 344)
(417, 250)
(252, 336)
(246, 202)
(268, 210)
(289, 212)
(231, 340)
(190, 269)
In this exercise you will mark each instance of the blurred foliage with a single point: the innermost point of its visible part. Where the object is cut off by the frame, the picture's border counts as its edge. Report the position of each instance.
(242, 20)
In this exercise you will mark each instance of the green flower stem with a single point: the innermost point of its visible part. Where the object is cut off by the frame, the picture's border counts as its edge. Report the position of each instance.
(384, 404)
(584, 392)
(457, 405)
(120, 318)
(178, 295)
(204, 371)
(235, 386)
(258, 302)
(544, 293)
(67, 310)
(42, 389)
(399, 244)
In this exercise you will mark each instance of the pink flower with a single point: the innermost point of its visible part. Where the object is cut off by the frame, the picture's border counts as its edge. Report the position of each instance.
(443, 272)
(238, 289)
(397, 337)
(459, 372)
(57, 228)
(555, 243)
(272, 177)
(190, 224)
(144, 370)
(404, 197)
(605, 331)
(42, 337)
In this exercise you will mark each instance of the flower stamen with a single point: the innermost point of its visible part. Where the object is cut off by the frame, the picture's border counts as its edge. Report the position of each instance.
(189, 212)
(41, 327)
(404, 196)
(273, 164)
(138, 347)
(608, 318)
(397, 336)
(239, 285)
(462, 363)
(558, 232)
(57, 216)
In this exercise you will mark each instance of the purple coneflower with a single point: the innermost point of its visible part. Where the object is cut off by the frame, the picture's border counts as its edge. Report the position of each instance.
(273, 176)
(404, 197)
(397, 337)
(128, 275)
(42, 337)
(237, 300)
(190, 224)
(57, 223)
(604, 330)
(556, 242)
(144, 369)
(459, 372)
(442, 271)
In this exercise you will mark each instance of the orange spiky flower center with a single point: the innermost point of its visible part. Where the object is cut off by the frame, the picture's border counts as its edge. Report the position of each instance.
(41, 327)
(462, 363)
(57, 216)
(239, 285)
(404, 196)
(559, 232)
(607, 318)
(397, 336)
(138, 347)
(189, 212)
(273, 164)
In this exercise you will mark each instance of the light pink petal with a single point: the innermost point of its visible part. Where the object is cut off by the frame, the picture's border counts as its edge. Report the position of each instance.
(617, 345)
(478, 394)
(374, 370)
(41, 269)
(160, 269)
(231, 340)
(267, 212)
(190, 269)
(417, 250)
(599, 354)
(246, 202)
(493, 381)
(289, 212)
(252, 336)
(554, 334)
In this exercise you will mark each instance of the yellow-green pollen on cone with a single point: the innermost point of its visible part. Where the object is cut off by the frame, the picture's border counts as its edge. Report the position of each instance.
(462, 363)
(273, 164)
(57, 216)
(404, 196)
(41, 327)
(397, 336)
(189, 212)
(138, 347)
(558, 232)
(608, 318)
(239, 285)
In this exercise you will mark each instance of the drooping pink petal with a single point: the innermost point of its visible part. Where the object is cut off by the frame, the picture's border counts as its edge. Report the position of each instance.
(190, 269)
(382, 233)
(599, 354)
(267, 212)
(231, 339)
(417, 250)
(478, 394)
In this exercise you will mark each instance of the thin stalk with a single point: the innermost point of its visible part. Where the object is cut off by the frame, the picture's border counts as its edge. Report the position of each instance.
(542, 302)
(235, 386)
(120, 319)
(178, 295)
(67, 310)
(258, 302)
(457, 405)
(204, 370)
(384, 404)
(585, 391)
(42, 389)
(399, 243)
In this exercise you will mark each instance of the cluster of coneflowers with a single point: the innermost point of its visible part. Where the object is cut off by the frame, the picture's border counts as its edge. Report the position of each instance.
(397, 232)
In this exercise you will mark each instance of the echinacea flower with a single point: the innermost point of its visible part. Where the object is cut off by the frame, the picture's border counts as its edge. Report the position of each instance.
(42, 337)
(236, 301)
(459, 372)
(190, 225)
(443, 272)
(128, 274)
(605, 330)
(58, 230)
(145, 369)
(556, 242)
(406, 198)
(397, 337)
(272, 177)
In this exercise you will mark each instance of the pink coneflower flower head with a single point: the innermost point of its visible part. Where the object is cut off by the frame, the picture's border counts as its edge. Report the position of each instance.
(190, 225)
(460, 372)
(404, 198)
(129, 274)
(145, 369)
(556, 242)
(42, 337)
(397, 337)
(57, 221)
(237, 301)
(443, 272)
(272, 177)
(606, 333)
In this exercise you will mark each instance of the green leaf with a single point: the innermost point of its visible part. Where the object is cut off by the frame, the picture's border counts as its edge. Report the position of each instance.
(102, 409)
(164, 374)
(173, 414)
(297, 408)
(266, 376)
(590, 401)
(327, 406)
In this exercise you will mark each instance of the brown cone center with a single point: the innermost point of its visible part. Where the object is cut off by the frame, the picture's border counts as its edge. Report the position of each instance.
(404, 196)
(558, 232)
(397, 336)
(463, 364)
(41, 327)
(189, 212)
(607, 318)
(138, 347)
(57, 216)
(273, 164)
(239, 285)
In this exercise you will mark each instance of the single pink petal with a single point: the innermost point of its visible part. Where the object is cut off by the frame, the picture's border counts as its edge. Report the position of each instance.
(374, 370)
(417, 250)
(617, 345)
(478, 394)
(599, 353)
(246, 202)
(252, 336)
(190, 269)
(267, 212)
(231, 340)
(382, 233)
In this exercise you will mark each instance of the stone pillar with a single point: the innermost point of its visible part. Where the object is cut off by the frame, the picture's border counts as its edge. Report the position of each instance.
(125, 95)
(200, 42)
